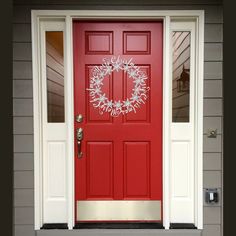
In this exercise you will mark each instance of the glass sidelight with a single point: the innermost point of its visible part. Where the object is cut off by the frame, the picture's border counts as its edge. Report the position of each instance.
(180, 75)
(55, 76)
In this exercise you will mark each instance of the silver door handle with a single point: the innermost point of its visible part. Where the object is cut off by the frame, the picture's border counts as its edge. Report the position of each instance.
(80, 154)
(79, 136)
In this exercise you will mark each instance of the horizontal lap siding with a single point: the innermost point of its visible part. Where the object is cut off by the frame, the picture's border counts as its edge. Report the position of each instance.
(23, 130)
(213, 118)
(23, 107)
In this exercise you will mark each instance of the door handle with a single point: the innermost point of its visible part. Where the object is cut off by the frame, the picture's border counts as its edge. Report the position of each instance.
(80, 154)
(79, 136)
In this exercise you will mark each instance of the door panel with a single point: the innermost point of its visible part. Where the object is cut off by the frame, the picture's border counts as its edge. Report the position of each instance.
(105, 45)
(121, 166)
(142, 115)
(92, 115)
(137, 170)
(99, 170)
(137, 42)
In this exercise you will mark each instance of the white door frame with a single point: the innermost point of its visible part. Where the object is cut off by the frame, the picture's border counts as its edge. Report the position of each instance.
(166, 16)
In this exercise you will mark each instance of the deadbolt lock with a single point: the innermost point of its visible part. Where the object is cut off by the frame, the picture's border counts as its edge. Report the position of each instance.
(79, 118)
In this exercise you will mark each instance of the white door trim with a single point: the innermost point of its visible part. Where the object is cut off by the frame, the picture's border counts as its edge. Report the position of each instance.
(67, 16)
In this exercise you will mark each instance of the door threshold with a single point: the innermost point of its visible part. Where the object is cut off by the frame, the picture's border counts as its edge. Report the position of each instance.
(144, 225)
(55, 226)
(182, 226)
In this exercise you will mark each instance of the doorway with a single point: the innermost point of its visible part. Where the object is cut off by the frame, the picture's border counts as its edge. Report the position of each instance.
(118, 121)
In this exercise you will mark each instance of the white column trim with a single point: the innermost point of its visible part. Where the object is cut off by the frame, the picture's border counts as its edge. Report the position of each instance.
(199, 121)
(166, 121)
(37, 122)
(70, 124)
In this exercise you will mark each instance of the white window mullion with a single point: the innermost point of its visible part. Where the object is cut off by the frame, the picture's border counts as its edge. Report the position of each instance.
(166, 122)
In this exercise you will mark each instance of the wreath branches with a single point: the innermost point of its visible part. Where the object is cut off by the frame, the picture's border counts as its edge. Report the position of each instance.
(115, 108)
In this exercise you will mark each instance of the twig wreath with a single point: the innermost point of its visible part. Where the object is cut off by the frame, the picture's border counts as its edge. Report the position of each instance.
(115, 108)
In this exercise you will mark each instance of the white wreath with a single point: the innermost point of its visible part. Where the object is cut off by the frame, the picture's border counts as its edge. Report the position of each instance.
(101, 101)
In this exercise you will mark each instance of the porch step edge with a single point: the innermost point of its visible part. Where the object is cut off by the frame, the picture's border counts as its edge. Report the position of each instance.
(120, 232)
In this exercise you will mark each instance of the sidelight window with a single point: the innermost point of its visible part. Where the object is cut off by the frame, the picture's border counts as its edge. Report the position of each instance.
(180, 75)
(55, 76)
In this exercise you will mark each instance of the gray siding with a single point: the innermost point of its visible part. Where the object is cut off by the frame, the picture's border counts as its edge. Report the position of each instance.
(23, 109)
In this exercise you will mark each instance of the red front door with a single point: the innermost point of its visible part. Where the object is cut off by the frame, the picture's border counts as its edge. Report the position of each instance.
(119, 174)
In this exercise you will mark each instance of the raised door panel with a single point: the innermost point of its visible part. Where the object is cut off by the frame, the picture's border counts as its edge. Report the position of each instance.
(137, 42)
(136, 170)
(141, 113)
(93, 113)
(98, 42)
(99, 165)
